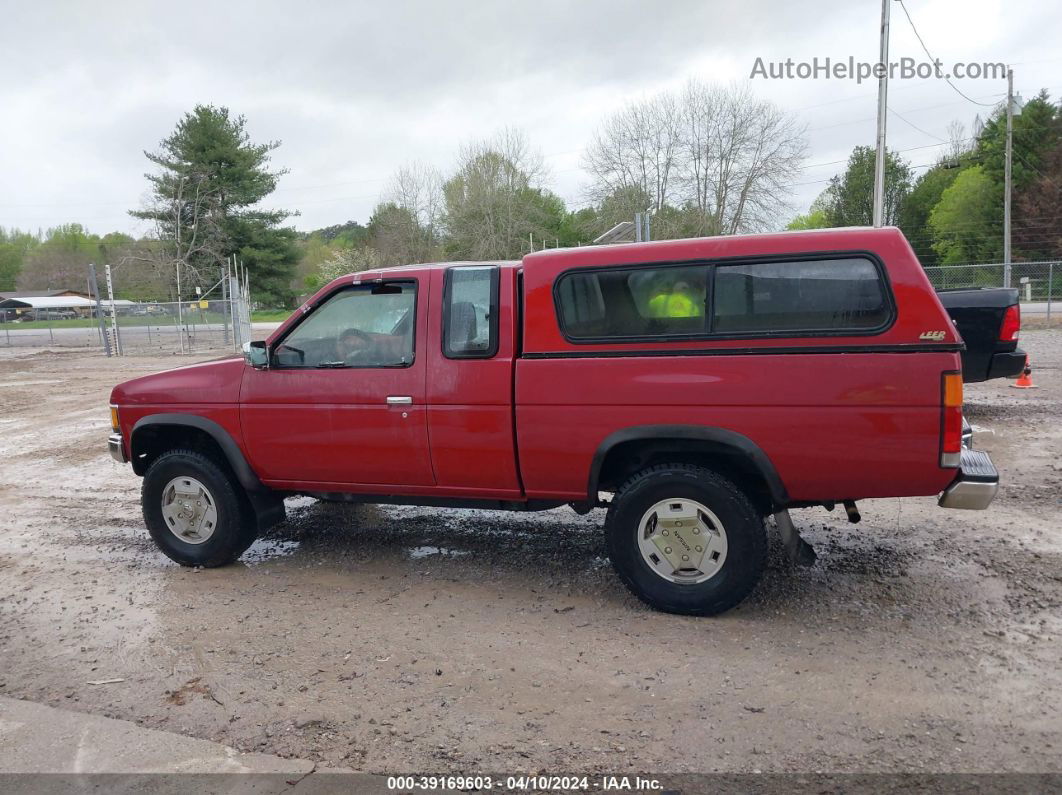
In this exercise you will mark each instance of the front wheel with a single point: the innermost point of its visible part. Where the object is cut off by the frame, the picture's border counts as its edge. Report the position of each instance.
(686, 540)
(194, 511)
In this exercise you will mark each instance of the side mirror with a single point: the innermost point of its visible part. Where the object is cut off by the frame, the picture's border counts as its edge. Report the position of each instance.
(256, 354)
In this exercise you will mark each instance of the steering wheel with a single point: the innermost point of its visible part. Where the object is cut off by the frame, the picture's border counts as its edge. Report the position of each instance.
(359, 357)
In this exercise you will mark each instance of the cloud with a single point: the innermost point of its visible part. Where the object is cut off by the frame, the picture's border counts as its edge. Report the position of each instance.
(356, 89)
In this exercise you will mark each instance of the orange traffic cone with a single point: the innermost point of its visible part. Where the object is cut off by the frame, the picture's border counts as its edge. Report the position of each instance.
(1025, 379)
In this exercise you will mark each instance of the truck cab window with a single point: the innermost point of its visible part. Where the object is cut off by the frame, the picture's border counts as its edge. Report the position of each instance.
(365, 326)
(470, 312)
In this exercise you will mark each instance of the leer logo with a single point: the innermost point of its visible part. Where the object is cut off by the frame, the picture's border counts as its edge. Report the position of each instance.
(936, 336)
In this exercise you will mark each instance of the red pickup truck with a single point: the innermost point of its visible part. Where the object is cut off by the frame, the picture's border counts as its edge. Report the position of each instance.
(694, 387)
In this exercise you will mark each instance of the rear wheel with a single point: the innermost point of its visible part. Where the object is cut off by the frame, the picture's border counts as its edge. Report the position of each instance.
(686, 540)
(194, 511)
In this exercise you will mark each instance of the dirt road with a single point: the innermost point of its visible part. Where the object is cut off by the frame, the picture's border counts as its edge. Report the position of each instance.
(400, 639)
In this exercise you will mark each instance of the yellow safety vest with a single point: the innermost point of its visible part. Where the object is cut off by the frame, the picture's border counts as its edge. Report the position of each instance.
(674, 305)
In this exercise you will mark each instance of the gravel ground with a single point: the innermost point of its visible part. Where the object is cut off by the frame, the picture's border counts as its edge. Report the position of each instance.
(391, 639)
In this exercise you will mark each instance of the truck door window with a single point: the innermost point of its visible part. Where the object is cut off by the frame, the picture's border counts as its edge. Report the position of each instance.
(805, 295)
(470, 312)
(363, 326)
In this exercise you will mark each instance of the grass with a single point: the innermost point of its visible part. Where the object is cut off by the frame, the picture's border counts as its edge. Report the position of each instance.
(191, 318)
(270, 315)
(80, 322)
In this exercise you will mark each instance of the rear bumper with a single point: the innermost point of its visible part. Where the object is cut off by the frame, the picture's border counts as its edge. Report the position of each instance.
(975, 486)
(114, 444)
(1006, 365)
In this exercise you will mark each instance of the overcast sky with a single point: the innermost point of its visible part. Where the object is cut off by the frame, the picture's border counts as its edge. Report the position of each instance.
(356, 89)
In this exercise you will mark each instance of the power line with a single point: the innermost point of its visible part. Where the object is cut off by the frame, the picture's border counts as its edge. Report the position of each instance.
(915, 126)
(934, 60)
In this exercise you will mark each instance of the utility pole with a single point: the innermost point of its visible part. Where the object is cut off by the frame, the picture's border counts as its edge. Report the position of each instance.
(883, 89)
(1007, 177)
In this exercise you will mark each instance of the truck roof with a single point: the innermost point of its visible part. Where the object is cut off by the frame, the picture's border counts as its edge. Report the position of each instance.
(719, 246)
(375, 273)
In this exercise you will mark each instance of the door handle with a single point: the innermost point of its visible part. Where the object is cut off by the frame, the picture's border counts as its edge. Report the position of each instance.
(399, 400)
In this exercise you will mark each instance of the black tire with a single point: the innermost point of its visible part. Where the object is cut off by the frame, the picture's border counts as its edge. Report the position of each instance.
(235, 529)
(746, 538)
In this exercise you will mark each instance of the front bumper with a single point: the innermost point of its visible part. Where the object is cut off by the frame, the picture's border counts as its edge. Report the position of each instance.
(975, 486)
(114, 444)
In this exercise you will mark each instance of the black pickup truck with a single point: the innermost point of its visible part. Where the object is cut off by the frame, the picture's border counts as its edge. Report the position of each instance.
(989, 320)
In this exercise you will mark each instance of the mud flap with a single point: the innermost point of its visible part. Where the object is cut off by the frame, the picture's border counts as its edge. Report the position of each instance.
(800, 552)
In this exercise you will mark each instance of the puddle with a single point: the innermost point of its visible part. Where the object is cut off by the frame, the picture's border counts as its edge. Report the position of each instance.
(424, 552)
(265, 549)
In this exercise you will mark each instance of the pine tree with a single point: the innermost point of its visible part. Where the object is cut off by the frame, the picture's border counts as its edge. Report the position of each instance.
(209, 181)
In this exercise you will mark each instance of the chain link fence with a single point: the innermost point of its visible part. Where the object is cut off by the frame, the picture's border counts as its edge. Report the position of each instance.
(150, 327)
(1039, 284)
(187, 327)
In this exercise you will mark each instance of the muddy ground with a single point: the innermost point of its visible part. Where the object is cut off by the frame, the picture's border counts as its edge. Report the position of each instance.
(401, 639)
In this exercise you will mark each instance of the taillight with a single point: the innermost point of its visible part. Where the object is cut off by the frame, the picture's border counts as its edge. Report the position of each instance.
(951, 419)
(1011, 326)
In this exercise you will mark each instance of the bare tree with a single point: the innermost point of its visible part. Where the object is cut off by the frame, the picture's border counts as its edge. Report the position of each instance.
(405, 227)
(635, 151)
(740, 158)
(712, 161)
(958, 142)
(418, 188)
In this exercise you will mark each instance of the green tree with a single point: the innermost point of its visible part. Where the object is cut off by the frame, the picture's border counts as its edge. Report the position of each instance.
(15, 246)
(815, 218)
(60, 261)
(551, 215)
(313, 250)
(398, 236)
(1037, 137)
(1038, 231)
(1037, 130)
(270, 254)
(849, 200)
(348, 235)
(495, 204)
(919, 204)
(209, 181)
(966, 222)
(578, 227)
(10, 265)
